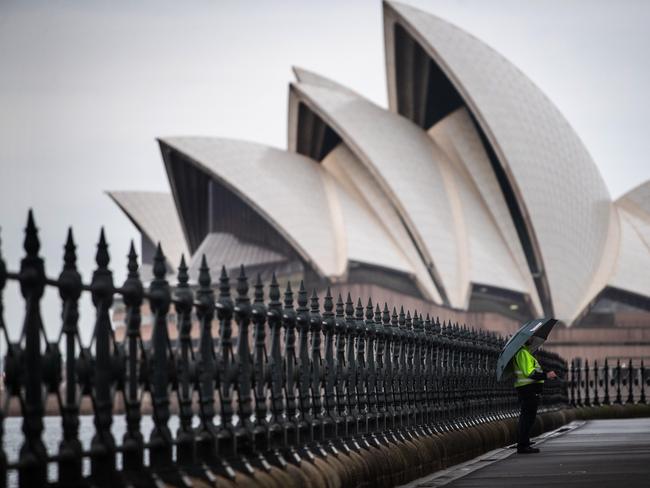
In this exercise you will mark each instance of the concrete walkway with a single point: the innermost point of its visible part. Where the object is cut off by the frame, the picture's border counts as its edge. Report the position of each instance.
(593, 454)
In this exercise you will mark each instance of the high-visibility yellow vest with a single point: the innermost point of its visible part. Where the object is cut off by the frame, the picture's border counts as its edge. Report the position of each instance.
(524, 364)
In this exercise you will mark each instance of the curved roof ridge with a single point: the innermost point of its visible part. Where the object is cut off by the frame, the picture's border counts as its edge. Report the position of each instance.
(457, 136)
(637, 201)
(641, 188)
(312, 78)
(490, 260)
(154, 214)
(399, 7)
(630, 272)
(231, 140)
(558, 190)
(404, 162)
(231, 161)
(346, 168)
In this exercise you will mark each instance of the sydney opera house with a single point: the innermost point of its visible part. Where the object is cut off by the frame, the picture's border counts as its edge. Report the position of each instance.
(470, 194)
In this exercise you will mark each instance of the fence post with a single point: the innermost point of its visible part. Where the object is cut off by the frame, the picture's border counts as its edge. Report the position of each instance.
(454, 375)
(596, 401)
(329, 325)
(362, 399)
(402, 372)
(277, 439)
(417, 369)
(160, 441)
(410, 376)
(619, 399)
(70, 291)
(473, 412)
(243, 376)
(382, 321)
(351, 371)
(206, 434)
(132, 292)
(103, 443)
(315, 326)
(643, 380)
(226, 376)
(438, 411)
(32, 457)
(587, 401)
(304, 368)
(492, 402)
(578, 384)
(630, 382)
(371, 373)
(396, 393)
(387, 371)
(259, 315)
(606, 399)
(444, 376)
(341, 373)
(185, 366)
(443, 405)
(289, 323)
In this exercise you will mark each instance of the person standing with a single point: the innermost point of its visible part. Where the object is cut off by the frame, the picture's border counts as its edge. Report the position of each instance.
(529, 381)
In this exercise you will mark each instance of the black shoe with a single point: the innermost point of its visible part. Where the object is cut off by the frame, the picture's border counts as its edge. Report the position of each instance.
(527, 450)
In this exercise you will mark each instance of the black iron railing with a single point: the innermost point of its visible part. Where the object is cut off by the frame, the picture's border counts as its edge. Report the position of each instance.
(614, 382)
(340, 379)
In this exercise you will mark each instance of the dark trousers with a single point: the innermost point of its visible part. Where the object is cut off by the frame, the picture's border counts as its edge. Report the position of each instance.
(529, 400)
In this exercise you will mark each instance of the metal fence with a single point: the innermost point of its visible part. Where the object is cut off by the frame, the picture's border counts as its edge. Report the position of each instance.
(620, 382)
(339, 378)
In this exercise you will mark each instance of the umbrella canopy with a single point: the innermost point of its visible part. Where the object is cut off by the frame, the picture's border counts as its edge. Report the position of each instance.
(536, 331)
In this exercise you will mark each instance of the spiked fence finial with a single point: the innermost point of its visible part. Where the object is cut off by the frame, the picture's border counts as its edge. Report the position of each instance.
(31, 244)
(359, 310)
(288, 297)
(340, 307)
(328, 303)
(409, 321)
(302, 298)
(132, 263)
(183, 276)
(204, 274)
(70, 254)
(385, 316)
(274, 294)
(314, 302)
(369, 310)
(349, 306)
(224, 283)
(259, 290)
(102, 258)
(159, 266)
(242, 287)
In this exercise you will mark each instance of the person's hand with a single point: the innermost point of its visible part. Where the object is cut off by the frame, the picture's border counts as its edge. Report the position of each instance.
(551, 375)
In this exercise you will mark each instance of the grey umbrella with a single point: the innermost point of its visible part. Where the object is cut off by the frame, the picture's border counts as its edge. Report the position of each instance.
(536, 331)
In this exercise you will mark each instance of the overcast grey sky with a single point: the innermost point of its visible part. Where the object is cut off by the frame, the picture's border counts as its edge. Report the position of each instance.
(86, 87)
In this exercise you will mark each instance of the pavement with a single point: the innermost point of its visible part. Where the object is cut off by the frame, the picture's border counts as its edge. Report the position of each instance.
(592, 454)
